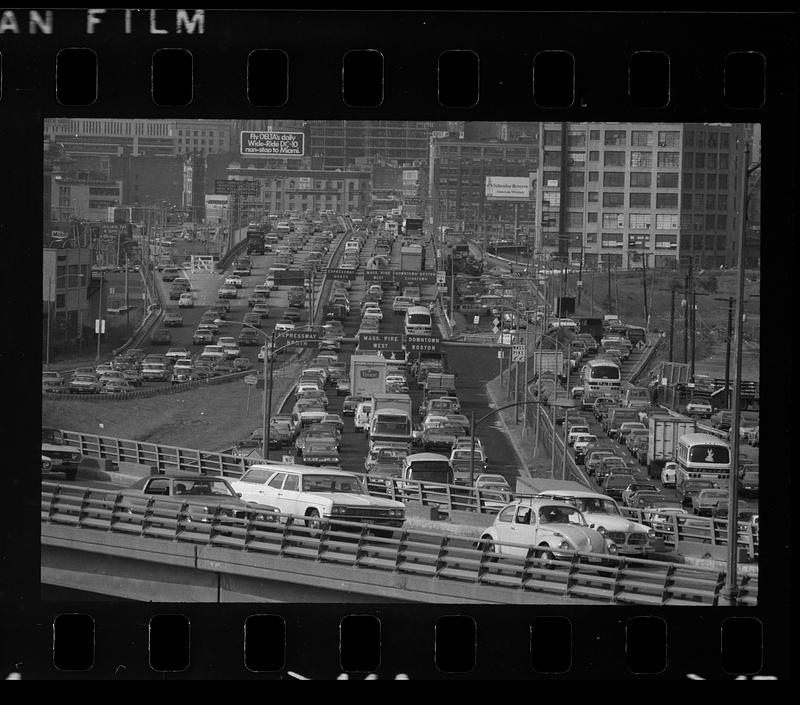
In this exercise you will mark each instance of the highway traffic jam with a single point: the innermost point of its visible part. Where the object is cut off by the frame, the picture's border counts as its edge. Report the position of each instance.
(382, 405)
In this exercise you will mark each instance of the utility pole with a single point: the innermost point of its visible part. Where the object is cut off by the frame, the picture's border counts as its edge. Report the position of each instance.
(610, 302)
(693, 298)
(671, 322)
(686, 316)
(728, 339)
(644, 285)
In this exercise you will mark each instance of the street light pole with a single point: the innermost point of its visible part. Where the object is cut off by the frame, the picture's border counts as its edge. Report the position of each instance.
(99, 314)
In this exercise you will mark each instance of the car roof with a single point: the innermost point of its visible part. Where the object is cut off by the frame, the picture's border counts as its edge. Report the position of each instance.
(301, 469)
(414, 457)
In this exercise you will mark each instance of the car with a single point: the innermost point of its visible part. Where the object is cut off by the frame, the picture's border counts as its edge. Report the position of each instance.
(645, 498)
(748, 421)
(575, 430)
(252, 319)
(701, 409)
(440, 437)
(262, 289)
(626, 428)
(155, 372)
(57, 456)
(160, 336)
(231, 347)
(186, 300)
(283, 326)
(224, 367)
(174, 354)
(133, 376)
(748, 482)
(706, 501)
(200, 498)
(463, 471)
(350, 403)
(687, 490)
(281, 434)
(309, 410)
(84, 384)
(233, 280)
(556, 529)
(261, 309)
(335, 420)
(669, 474)
(317, 494)
(582, 444)
(372, 312)
(223, 304)
(752, 437)
(181, 375)
(634, 487)
(242, 363)
(604, 466)
(722, 420)
(248, 338)
(202, 337)
(52, 381)
(203, 371)
(604, 515)
(228, 291)
(320, 452)
(292, 316)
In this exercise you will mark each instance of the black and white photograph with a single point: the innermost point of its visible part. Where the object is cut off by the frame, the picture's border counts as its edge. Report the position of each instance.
(368, 361)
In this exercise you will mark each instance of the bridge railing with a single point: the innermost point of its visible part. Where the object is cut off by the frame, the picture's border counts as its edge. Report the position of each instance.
(588, 576)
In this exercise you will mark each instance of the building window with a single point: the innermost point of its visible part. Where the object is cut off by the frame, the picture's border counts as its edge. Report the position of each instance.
(667, 200)
(641, 179)
(700, 160)
(712, 140)
(591, 217)
(551, 178)
(701, 140)
(575, 199)
(666, 221)
(591, 238)
(639, 241)
(574, 220)
(639, 221)
(711, 161)
(613, 158)
(552, 138)
(594, 176)
(710, 221)
(614, 179)
(711, 202)
(711, 182)
(724, 140)
(699, 181)
(594, 156)
(640, 200)
(615, 137)
(642, 159)
(669, 138)
(669, 159)
(594, 134)
(592, 198)
(612, 240)
(709, 242)
(666, 242)
(576, 139)
(613, 220)
(722, 222)
(667, 180)
(613, 199)
(721, 242)
(552, 158)
(576, 178)
(722, 202)
(641, 138)
(723, 182)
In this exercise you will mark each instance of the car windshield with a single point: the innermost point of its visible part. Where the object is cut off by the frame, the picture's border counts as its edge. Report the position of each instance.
(555, 514)
(595, 505)
(204, 487)
(332, 483)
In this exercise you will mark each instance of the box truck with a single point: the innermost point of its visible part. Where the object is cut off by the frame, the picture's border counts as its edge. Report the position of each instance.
(367, 375)
(662, 440)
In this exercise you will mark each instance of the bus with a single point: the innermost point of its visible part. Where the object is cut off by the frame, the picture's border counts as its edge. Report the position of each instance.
(701, 456)
(601, 378)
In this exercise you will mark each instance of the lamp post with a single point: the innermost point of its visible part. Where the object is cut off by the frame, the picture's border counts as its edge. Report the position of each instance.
(565, 404)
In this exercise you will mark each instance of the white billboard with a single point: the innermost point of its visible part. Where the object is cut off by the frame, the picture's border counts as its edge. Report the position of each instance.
(272, 144)
(216, 208)
(508, 188)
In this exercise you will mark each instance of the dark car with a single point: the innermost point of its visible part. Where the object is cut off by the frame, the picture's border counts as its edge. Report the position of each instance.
(200, 497)
(690, 488)
(291, 316)
(249, 337)
(320, 452)
(224, 367)
(252, 319)
(350, 404)
(615, 485)
(281, 434)
(748, 483)
(440, 437)
(242, 363)
(173, 320)
(160, 336)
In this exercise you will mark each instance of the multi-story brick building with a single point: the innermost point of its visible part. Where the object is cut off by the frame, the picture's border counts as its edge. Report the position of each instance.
(658, 194)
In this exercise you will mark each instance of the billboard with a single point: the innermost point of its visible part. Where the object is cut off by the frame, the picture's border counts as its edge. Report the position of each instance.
(272, 144)
(48, 275)
(242, 187)
(508, 188)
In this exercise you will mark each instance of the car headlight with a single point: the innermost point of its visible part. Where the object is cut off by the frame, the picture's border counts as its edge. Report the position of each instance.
(612, 548)
(565, 546)
(338, 510)
(601, 530)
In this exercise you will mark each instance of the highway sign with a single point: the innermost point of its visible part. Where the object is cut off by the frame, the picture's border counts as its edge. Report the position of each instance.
(401, 275)
(272, 144)
(302, 338)
(340, 273)
(500, 354)
(423, 343)
(380, 341)
(495, 329)
(506, 339)
(496, 321)
(441, 277)
(518, 353)
(251, 379)
(290, 277)
(476, 320)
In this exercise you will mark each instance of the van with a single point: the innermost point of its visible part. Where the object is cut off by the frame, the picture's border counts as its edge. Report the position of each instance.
(417, 321)
(362, 416)
(428, 467)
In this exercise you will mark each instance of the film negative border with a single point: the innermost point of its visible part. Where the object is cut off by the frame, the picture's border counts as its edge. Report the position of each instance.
(502, 49)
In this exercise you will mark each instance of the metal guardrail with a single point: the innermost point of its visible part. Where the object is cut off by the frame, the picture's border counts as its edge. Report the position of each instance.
(609, 580)
(447, 498)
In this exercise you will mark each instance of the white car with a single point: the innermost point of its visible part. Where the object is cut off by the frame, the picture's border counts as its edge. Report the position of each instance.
(184, 364)
(603, 514)
(372, 312)
(186, 301)
(699, 408)
(216, 352)
(362, 416)
(234, 281)
(669, 474)
(576, 430)
(283, 327)
(317, 493)
(583, 441)
(556, 528)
